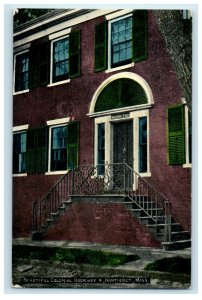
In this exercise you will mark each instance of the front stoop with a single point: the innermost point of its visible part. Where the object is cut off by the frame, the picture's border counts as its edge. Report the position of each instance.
(179, 239)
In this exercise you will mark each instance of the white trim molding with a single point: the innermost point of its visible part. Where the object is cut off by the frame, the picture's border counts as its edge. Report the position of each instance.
(128, 75)
(59, 34)
(20, 128)
(118, 14)
(58, 121)
(108, 120)
(56, 172)
(66, 24)
(109, 70)
(20, 175)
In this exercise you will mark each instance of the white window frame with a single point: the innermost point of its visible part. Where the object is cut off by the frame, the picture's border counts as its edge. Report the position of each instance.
(51, 62)
(187, 162)
(53, 124)
(122, 67)
(20, 130)
(14, 73)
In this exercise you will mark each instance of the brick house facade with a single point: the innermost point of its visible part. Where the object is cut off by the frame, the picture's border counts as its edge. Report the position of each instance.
(91, 86)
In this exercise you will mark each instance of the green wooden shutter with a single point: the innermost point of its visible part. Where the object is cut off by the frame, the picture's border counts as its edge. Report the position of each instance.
(140, 32)
(100, 47)
(73, 145)
(74, 54)
(33, 66)
(44, 63)
(30, 152)
(176, 135)
(41, 149)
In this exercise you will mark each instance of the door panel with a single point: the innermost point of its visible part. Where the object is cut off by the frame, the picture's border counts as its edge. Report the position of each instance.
(122, 153)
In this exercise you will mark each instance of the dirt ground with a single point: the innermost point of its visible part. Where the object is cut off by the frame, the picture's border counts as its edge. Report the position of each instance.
(42, 274)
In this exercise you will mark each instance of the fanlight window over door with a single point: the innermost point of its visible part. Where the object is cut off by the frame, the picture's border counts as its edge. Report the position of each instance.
(120, 93)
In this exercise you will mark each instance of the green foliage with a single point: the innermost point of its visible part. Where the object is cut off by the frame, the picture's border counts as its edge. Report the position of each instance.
(24, 15)
(78, 256)
(176, 265)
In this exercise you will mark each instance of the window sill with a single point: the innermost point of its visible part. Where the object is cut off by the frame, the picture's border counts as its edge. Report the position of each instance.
(187, 165)
(120, 68)
(20, 175)
(148, 174)
(58, 83)
(57, 172)
(20, 92)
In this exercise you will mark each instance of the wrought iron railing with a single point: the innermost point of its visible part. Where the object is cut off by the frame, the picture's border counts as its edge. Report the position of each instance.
(49, 204)
(115, 179)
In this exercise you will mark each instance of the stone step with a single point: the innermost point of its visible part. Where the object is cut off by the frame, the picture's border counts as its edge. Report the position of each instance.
(67, 203)
(49, 221)
(55, 215)
(159, 228)
(146, 205)
(139, 212)
(175, 236)
(61, 209)
(177, 245)
(148, 220)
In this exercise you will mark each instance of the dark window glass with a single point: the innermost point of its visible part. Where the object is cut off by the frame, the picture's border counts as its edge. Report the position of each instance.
(60, 60)
(121, 42)
(143, 144)
(19, 152)
(59, 148)
(21, 72)
(101, 148)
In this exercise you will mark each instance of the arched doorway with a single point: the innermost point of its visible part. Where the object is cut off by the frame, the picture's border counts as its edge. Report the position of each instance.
(120, 108)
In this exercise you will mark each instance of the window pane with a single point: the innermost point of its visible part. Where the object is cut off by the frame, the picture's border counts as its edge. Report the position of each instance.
(122, 36)
(123, 55)
(115, 38)
(116, 57)
(121, 25)
(143, 144)
(101, 148)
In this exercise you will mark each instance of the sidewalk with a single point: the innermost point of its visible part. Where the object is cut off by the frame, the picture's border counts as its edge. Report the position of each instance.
(147, 255)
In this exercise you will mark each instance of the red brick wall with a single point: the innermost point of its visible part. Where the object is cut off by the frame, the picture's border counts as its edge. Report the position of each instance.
(73, 100)
(107, 223)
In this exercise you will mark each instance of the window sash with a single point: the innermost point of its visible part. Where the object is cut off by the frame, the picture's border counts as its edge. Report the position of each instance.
(60, 60)
(59, 148)
(21, 71)
(121, 42)
(143, 144)
(19, 152)
(101, 148)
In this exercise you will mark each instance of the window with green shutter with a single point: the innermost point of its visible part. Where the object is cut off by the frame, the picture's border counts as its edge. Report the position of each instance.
(39, 63)
(121, 41)
(73, 145)
(31, 151)
(176, 135)
(140, 33)
(100, 47)
(41, 149)
(36, 154)
(64, 146)
(74, 53)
